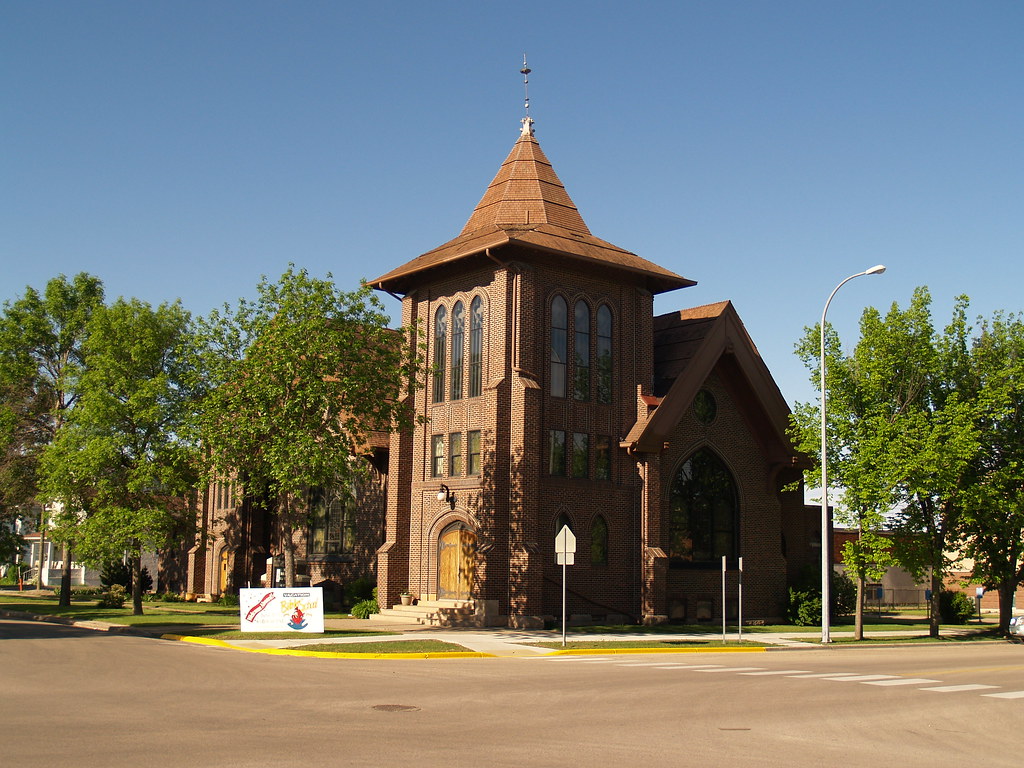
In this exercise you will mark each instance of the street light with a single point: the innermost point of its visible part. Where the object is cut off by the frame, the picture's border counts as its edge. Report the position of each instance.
(826, 541)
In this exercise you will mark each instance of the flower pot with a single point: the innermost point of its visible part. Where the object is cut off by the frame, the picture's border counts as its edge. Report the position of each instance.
(406, 599)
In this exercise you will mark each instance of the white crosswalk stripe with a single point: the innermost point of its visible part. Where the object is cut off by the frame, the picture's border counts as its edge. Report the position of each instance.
(922, 683)
(953, 688)
(861, 678)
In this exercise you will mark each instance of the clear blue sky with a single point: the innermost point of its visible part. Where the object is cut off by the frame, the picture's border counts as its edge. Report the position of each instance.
(765, 149)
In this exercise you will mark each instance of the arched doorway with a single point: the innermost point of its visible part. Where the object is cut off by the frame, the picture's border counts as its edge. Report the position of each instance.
(224, 572)
(456, 562)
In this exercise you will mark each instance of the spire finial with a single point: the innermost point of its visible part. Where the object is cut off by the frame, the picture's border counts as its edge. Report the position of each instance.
(526, 121)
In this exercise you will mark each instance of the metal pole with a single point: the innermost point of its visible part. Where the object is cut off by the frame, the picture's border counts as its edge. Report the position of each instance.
(563, 599)
(826, 539)
(723, 598)
(740, 604)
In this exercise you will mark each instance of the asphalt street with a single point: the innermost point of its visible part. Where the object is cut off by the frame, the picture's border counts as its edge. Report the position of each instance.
(78, 697)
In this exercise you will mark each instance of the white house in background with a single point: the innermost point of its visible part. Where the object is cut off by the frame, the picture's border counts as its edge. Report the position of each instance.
(53, 555)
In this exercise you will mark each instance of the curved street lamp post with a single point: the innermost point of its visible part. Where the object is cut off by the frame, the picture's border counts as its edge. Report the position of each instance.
(826, 540)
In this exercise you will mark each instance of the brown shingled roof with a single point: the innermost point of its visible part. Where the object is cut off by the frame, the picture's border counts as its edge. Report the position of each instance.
(527, 204)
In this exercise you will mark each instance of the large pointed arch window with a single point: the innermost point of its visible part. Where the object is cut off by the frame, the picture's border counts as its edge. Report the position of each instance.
(440, 340)
(458, 353)
(559, 345)
(704, 512)
(476, 347)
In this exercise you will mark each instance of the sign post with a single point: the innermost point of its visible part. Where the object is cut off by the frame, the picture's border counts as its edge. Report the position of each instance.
(739, 629)
(723, 599)
(565, 554)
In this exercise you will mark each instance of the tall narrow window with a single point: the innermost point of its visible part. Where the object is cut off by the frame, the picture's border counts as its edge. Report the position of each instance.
(603, 457)
(580, 454)
(436, 455)
(331, 526)
(599, 541)
(559, 345)
(455, 454)
(556, 453)
(581, 351)
(458, 353)
(474, 453)
(440, 339)
(604, 354)
(476, 347)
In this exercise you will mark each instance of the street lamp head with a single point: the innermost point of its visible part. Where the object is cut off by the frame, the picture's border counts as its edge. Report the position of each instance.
(875, 270)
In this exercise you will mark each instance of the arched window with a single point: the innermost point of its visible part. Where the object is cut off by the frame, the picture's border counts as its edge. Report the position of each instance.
(559, 345)
(604, 354)
(562, 520)
(476, 347)
(704, 507)
(458, 353)
(581, 349)
(599, 541)
(440, 338)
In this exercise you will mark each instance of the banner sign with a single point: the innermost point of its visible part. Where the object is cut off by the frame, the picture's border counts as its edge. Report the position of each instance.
(298, 609)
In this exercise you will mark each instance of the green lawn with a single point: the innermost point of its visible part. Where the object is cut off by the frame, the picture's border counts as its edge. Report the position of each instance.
(200, 619)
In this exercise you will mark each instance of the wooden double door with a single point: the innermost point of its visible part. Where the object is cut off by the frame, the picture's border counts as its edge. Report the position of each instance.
(456, 562)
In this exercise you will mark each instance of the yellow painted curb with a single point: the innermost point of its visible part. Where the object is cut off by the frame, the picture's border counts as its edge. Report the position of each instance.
(602, 652)
(328, 654)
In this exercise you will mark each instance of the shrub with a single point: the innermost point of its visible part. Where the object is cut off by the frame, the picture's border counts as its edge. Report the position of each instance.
(804, 605)
(171, 597)
(118, 572)
(364, 608)
(359, 590)
(230, 601)
(955, 607)
(113, 598)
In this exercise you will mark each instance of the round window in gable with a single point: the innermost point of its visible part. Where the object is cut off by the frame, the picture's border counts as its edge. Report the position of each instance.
(704, 407)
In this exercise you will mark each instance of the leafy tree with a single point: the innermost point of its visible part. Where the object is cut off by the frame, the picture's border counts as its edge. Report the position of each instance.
(41, 360)
(859, 497)
(120, 465)
(297, 381)
(902, 435)
(993, 518)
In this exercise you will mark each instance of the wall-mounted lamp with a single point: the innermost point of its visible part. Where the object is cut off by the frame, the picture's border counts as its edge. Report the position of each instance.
(446, 494)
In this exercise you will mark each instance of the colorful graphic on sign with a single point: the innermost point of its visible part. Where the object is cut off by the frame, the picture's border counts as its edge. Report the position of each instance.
(296, 609)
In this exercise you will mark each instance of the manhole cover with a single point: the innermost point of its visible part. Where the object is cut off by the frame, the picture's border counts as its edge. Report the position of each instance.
(395, 708)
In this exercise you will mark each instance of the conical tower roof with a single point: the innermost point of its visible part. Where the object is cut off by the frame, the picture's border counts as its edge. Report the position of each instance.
(526, 190)
(527, 204)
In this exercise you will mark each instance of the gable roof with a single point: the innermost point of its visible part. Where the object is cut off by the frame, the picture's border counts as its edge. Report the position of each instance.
(688, 346)
(527, 204)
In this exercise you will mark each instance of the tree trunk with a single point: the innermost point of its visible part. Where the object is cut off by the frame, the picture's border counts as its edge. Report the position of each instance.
(65, 579)
(1006, 590)
(136, 585)
(933, 622)
(858, 623)
(289, 554)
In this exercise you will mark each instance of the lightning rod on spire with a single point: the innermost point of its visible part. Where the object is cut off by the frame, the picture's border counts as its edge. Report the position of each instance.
(526, 121)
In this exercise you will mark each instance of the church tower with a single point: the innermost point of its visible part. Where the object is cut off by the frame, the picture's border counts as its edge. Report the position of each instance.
(540, 338)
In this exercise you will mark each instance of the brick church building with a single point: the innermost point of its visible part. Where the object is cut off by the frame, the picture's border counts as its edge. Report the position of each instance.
(557, 398)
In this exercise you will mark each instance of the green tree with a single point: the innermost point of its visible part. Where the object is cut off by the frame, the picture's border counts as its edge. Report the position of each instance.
(859, 497)
(121, 466)
(993, 517)
(903, 435)
(297, 381)
(41, 360)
